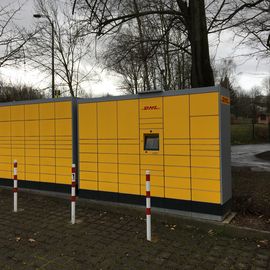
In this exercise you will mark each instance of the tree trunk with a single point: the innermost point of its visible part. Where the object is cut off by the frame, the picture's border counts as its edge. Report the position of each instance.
(201, 71)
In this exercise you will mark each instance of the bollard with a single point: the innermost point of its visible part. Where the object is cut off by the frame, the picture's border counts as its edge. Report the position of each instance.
(15, 187)
(148, 207)
(73, 193)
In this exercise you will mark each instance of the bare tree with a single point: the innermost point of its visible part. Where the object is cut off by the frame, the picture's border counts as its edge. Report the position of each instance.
(109, 17)
(12, 38)
(71, 48)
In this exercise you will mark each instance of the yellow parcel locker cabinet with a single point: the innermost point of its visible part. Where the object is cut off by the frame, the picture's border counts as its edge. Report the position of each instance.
(41, 135)
(182, 137)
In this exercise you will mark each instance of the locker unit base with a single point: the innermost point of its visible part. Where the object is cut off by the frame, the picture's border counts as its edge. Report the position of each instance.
(37, 185)
(188, 208)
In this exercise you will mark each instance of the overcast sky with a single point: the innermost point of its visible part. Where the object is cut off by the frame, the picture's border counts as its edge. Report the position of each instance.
(249, 72)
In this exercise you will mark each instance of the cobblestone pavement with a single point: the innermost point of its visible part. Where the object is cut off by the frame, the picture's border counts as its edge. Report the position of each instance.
(39, 236)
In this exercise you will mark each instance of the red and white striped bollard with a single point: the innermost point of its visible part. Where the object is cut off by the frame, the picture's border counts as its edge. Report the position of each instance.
(148, 207)
(73, 193)
(15, 187)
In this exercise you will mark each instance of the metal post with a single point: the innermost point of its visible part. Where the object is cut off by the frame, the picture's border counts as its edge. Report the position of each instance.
(73, 193)
(148, 207)
(15, 187)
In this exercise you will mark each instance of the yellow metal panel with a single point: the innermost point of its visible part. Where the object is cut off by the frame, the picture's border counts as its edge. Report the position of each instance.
(92, 167)
(176, 141)
(205, 141)
(47, 169)
(151, 107)
(108, 177)
(32, 168)
(62, 179)
(88, 157)
(88, 148)
(205, 153)
(6, 174)
(204, 127)
(32, 152)
(128, 149)
(64, 170)
(17, 112)
(47, 152)
(46, 111)
(129, 179)
(32, 160)
(153, 168)
(204, 104)
(47, 161)
(205, 173)
(176, 117)
(105, 186)
(63, 127)
(151, 159)
(32, 176)
(208, 185)
(63, 109)
(87, 120)
(31, 128)
(63, 162)
(177, 171)
(17, 152)
(177, 160)
(205, 196)
(129, 168)
(149, 121)
(107, 167)
(129, 189)
(5, 128)
(173, 182)
(5, 159)
(47, 128)
(5, 166)
(5, 152)
(48, 178)
(208, 162)
(17, 128)
(110, 158)
(89, 185)
(176, 193)
(31, 112)
(128, 159)
(5, 113)
(63, 153)
(176, 149)
(128, 112)
(151, 126)
(88, 175)
(205, 147)
(107, 120)
(107, 148)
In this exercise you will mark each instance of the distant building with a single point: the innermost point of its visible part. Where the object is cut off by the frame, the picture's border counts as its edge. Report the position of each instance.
(263, 118)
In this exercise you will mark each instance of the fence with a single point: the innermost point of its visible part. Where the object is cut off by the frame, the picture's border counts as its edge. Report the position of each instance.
(246, 133)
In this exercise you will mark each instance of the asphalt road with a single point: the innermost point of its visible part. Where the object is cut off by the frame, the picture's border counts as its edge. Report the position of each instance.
(244, 156)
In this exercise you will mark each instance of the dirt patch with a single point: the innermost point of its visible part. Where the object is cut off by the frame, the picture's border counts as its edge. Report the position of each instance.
(264, 155)
(251, 198)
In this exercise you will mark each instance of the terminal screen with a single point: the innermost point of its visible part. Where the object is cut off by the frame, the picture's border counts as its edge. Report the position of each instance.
(151, 142)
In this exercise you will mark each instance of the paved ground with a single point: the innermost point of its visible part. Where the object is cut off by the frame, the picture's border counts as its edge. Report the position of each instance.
(244, 156)
(40, 237)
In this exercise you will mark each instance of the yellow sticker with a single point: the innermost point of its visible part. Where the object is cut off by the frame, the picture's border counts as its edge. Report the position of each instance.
(225, 100)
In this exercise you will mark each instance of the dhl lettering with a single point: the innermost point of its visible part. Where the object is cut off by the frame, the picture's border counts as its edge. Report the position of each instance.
(149, 108)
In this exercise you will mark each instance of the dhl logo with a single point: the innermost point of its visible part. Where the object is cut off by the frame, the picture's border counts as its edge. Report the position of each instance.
(150, 108)
(225, 100)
